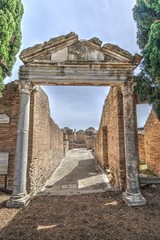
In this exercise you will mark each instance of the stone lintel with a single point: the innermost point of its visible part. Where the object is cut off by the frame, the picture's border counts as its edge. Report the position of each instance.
(81, 75)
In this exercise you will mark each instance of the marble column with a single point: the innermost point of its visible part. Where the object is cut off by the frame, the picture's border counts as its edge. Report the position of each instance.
(132, 196)
(19, 197)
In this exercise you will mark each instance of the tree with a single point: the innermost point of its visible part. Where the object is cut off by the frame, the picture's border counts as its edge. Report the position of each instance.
(11, 12)
(147, 16)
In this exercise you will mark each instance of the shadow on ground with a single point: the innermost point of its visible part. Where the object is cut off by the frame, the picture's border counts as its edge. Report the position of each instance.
(93, 216)
(85, 176)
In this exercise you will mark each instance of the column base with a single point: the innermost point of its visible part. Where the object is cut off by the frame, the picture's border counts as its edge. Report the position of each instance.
(134, 199)
(18, 201)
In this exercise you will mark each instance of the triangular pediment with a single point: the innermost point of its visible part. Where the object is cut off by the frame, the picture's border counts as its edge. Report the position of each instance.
(68, 48)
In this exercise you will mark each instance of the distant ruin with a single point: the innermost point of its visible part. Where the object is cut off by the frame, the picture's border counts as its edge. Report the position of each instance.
(80, 138)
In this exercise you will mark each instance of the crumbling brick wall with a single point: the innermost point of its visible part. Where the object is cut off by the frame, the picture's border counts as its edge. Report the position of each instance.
(141, 147)
(109, 145)
(45, 137)
(46, 142)
(152, 143)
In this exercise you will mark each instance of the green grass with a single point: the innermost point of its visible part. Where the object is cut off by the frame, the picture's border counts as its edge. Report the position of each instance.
(143, 169)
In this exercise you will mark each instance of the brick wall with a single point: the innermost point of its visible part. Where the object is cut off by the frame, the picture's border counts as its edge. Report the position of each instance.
(90, 142)
(152, 143)
(45, 137)
(8, 131)
(141, 147)
(109, 145)
(46, 142)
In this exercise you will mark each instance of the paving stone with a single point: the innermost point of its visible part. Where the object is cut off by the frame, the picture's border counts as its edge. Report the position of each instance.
(64, 186)
(73, 186)
(77, 175)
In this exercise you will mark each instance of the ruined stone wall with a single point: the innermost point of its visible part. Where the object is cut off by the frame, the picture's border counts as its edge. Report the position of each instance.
(152, 143)
(45, 138)
(109, 145)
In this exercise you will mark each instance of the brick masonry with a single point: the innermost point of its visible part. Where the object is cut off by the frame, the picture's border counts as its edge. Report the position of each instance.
(141, 147)
(152, 143)
(9, 106)
(109, 146)
(45, 138)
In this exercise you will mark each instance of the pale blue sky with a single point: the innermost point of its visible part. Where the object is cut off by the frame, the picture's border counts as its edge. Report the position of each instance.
(109, 20)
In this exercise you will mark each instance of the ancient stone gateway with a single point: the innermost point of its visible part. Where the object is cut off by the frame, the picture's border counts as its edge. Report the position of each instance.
(66, 60)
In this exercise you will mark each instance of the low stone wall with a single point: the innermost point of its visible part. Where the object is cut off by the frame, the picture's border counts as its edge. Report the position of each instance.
(45, 138)
(109, 144)
(152, 143)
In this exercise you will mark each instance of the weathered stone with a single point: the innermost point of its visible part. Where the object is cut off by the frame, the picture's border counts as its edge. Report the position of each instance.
(132, 196)
(68, 61)
(40, 51)
(18, 201)
(96, 41)
(4, 118)
(20, 170)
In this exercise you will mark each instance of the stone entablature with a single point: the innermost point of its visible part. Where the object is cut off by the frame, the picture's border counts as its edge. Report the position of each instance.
(64, 60)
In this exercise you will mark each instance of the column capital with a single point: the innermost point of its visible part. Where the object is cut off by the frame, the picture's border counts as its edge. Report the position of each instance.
(25, 87)
(128, 88)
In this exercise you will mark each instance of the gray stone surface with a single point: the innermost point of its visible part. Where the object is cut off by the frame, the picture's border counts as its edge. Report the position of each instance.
(18, 201)
(78, 173)
(4, 118)
(132, 196)
(19, 196)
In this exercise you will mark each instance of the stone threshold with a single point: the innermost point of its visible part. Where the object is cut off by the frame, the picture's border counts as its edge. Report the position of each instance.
(149, 180)
(74, 192)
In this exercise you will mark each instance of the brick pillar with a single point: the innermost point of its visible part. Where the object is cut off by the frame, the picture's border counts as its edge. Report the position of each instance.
(19, 196)
(132, 196)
